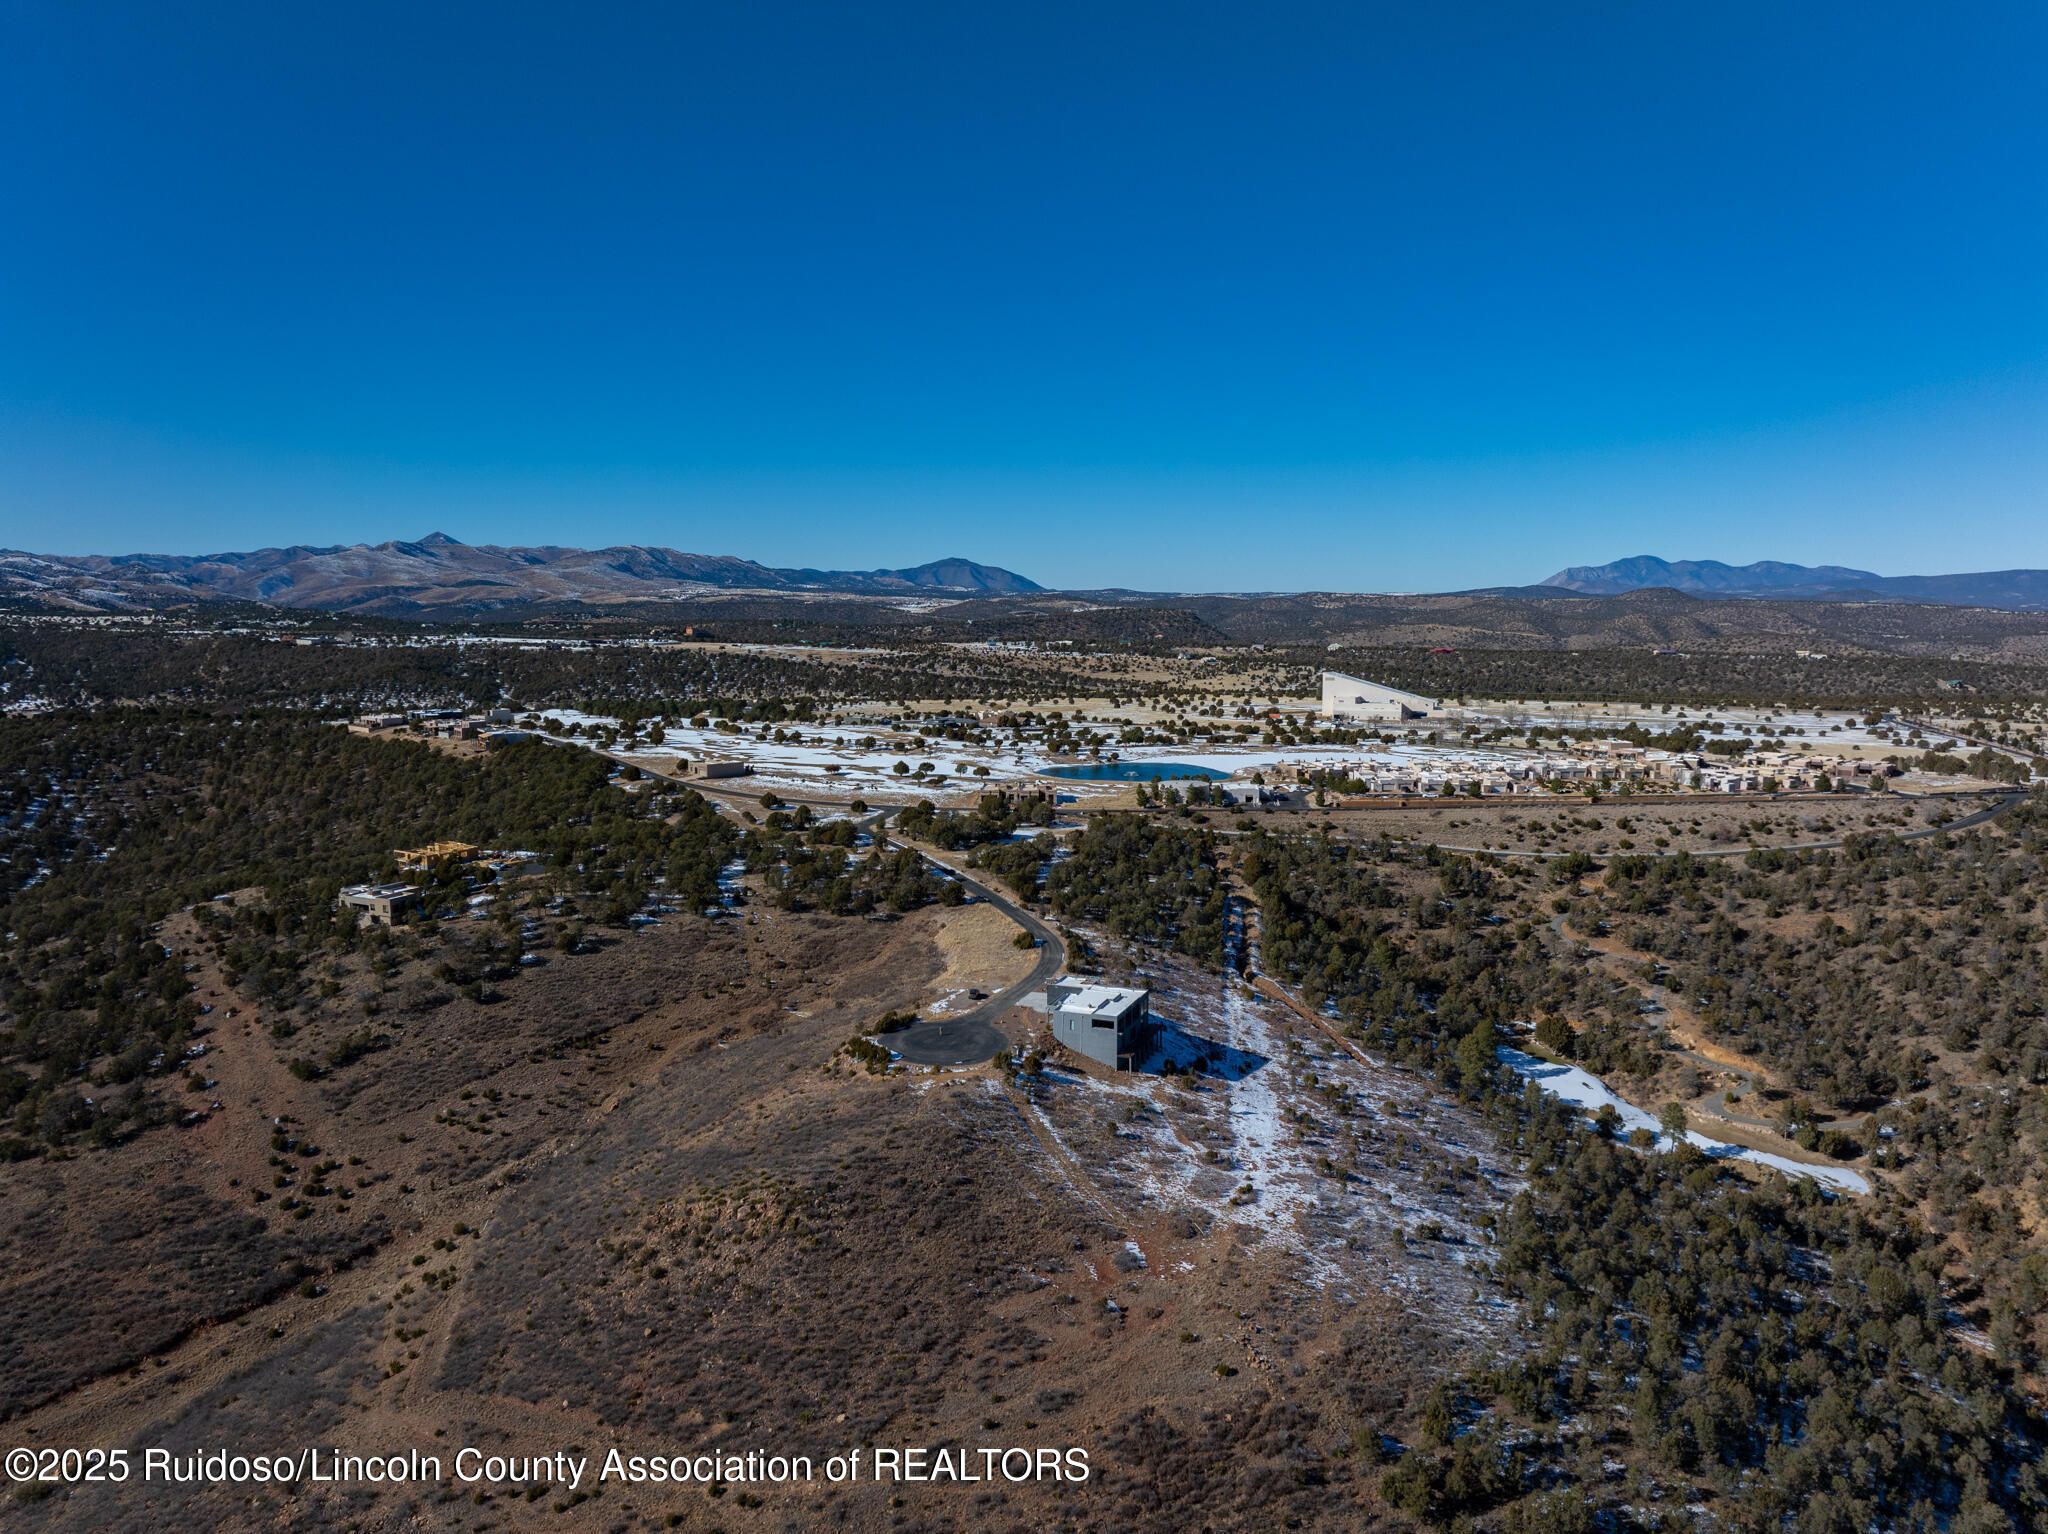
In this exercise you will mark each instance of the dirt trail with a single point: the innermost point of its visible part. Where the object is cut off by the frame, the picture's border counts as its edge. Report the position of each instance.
(229, 1154)
(1251, 919)
(1682, 1022)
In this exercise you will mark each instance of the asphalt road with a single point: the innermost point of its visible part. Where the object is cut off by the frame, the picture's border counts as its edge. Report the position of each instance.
(972, 1037)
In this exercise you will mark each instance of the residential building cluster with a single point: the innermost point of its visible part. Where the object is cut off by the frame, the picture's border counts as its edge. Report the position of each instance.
(494, 727)
(1604, 763)
(383, 905)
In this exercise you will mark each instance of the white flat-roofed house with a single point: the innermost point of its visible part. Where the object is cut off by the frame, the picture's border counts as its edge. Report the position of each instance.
(1238, 793)
(1110, 1024)
(1351, 697)
(1219, 791)
(379, 903)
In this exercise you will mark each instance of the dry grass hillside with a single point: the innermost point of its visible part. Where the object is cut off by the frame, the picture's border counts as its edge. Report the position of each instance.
(640, 1199)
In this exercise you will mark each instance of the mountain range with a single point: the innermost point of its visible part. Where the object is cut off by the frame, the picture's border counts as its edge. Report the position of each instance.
(2014, 590)
(438, 574)
(441, 577)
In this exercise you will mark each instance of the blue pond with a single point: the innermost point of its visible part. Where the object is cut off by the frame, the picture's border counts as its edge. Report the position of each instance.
(1136, 772)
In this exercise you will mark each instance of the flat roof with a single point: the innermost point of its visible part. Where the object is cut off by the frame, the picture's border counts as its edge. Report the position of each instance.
(434, 850)
(1093, 999)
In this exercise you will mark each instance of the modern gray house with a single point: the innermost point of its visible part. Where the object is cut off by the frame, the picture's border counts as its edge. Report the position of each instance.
(1110, 1024)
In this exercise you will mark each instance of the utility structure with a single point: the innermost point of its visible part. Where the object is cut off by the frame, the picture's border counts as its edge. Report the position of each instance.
(438, 852)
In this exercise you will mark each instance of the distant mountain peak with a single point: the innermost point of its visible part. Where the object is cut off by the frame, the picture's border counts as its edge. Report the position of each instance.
(959, 574)
(1708, 577)
(2014, 590)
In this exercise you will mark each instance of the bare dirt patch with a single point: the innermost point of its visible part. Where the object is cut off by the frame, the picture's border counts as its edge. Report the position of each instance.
(979, 945)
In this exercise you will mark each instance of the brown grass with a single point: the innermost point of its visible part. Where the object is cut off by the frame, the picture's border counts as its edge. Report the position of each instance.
(610, 1208)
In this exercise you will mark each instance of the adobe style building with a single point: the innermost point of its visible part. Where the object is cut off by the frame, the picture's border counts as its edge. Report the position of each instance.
(1351, 697)
(1110, 1024)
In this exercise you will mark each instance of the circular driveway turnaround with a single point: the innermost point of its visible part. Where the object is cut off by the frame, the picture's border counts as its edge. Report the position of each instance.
(949, 1041)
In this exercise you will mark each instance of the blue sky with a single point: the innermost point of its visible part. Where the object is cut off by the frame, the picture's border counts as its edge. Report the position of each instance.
(1178, 296)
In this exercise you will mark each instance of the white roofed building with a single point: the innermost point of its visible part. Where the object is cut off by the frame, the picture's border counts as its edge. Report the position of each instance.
(1350, 697)
(1110, 1024)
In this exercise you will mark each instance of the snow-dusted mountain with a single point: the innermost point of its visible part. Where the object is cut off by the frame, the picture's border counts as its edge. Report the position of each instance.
(440, 574)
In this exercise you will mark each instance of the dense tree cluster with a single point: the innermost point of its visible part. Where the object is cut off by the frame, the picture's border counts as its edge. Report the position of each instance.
(1842, 968)
(996, 817)
(1020, 865)
(1983, 763)
(862, 655)
(1898, 983)
(1147, 880)
(145, 812)
(1398, 943)
(998, 836)
(77, 666)
(814, 865)
(1786, 1357)
(1628, 675)
(1792, 1355)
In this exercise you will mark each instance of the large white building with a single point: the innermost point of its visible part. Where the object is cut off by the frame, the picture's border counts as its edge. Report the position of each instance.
(1350, 697)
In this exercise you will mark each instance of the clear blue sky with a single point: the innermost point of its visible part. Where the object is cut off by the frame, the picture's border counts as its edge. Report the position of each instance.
(1179, 296)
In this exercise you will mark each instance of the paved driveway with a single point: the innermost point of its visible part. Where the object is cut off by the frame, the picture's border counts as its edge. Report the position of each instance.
(973, 1037)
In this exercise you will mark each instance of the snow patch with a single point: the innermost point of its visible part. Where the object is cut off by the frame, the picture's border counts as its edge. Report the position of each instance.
(1582, 1089)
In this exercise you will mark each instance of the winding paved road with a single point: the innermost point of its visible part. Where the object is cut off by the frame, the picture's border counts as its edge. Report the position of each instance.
(973, 1037)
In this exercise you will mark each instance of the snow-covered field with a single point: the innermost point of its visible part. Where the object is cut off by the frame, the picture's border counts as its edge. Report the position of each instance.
(1357, 1173)
(1354, 759)
(832, 755)
(1582, 1089)
(782, 765)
